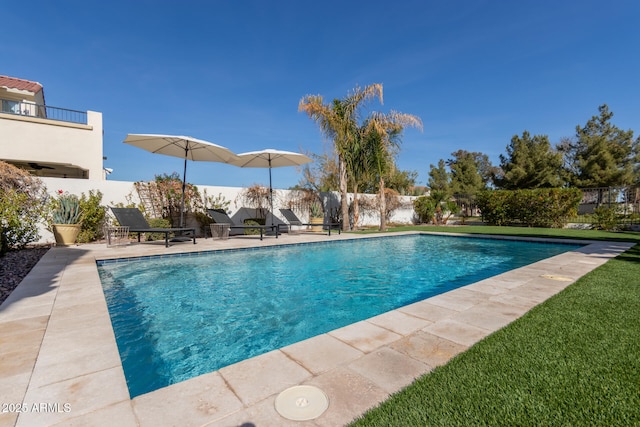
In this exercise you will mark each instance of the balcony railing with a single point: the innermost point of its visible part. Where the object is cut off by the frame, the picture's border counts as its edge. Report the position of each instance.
(31, 109)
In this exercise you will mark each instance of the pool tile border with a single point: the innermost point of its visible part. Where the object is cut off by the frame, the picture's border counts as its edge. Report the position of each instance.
(105, 261)
(61, 283)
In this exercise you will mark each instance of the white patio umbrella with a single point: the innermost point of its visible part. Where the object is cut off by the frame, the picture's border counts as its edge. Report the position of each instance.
(185, 147)
(270, 158)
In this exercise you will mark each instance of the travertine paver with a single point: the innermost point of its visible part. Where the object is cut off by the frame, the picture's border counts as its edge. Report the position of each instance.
(508, 310)
(365, 336)
(428, 348)
(486, 315)
(389, 369)
(536, 290)
(506, 281)
(57, 346)
(62, 359)
(9, 418)
(18, 339)
(428, 311)
(196, 401)
(488, 286)
(83, 394)
(399, 322)
(26, 305)
(458, 299)
(321, 353)
(258, 378)
(350, 394)
(118, 414)
(462, 333)
(262, 414)
(523, 302)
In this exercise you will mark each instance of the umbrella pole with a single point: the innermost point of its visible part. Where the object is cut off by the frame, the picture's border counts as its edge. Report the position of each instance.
(184, 186)
(270, 191)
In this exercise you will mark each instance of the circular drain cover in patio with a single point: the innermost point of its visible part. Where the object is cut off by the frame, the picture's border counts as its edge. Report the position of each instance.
(301, 403)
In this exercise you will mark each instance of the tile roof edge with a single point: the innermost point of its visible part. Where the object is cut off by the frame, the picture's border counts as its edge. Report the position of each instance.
(21, 84)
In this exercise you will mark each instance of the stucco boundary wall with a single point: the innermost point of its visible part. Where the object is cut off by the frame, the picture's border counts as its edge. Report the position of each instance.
(115, 192)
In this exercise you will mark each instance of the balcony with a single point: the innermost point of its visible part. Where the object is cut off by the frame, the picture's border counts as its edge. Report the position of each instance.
(31, 109)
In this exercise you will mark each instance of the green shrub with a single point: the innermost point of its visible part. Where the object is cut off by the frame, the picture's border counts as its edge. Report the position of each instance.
(166, 192)
(217, 202)
(93, 217)
(23, 202)
(157, 223)
(495, 206)
(435, 208)
(253, 221)
(425, 209)
(451, 208)
(560, 205)
(542, 207)
(18, 225)
(605, 218)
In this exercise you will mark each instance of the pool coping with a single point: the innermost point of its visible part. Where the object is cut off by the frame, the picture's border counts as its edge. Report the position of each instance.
(61, 364)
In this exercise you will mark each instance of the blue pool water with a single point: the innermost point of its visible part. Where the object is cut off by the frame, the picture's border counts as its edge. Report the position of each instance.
(178, 317)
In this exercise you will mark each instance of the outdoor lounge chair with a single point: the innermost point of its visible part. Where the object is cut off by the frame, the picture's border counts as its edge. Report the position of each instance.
(219, 216)
(292, 219)
(133, 218)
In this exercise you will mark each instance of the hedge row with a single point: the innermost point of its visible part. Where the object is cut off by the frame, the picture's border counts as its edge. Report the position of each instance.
(542, 207)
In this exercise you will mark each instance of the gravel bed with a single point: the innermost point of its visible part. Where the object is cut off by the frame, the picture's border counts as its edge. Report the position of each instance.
(14, 266)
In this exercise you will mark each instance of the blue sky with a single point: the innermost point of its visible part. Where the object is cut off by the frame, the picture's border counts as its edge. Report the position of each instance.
(232, 72)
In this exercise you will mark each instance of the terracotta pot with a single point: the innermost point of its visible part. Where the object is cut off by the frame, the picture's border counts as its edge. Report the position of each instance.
(66, 234)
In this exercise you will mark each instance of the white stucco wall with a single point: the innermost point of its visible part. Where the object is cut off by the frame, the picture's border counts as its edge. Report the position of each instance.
(115, 192)
(32, 139)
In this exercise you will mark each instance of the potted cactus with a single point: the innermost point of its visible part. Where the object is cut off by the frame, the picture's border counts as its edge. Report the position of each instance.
(316, 216)
(66, 218)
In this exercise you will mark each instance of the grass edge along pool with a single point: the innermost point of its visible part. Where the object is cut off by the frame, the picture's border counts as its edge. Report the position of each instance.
(183, 315)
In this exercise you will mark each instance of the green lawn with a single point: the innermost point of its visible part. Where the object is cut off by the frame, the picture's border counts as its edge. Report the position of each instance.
(627, 236)
(573, 360)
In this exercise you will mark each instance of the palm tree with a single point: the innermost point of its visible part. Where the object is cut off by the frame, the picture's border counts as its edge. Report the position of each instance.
(382, 134)
(338, 121)
(357, 162)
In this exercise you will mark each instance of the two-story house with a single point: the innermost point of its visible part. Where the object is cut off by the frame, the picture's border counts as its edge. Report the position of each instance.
(48, 141)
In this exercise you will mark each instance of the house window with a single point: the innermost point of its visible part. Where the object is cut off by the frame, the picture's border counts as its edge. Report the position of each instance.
(10, 107)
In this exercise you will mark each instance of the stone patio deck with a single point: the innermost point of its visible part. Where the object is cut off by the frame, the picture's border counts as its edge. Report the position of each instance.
(60, 364)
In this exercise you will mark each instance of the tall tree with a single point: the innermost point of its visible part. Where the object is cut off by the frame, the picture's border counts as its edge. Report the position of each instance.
(486, 170)
(359, 171)
(601, 154)
(383, 134)
(530, 162)
(338, 121)
(470, 172)
(439, 178)
(402, 181)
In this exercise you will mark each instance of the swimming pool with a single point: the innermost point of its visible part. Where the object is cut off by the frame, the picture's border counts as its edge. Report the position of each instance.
(181, 316)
